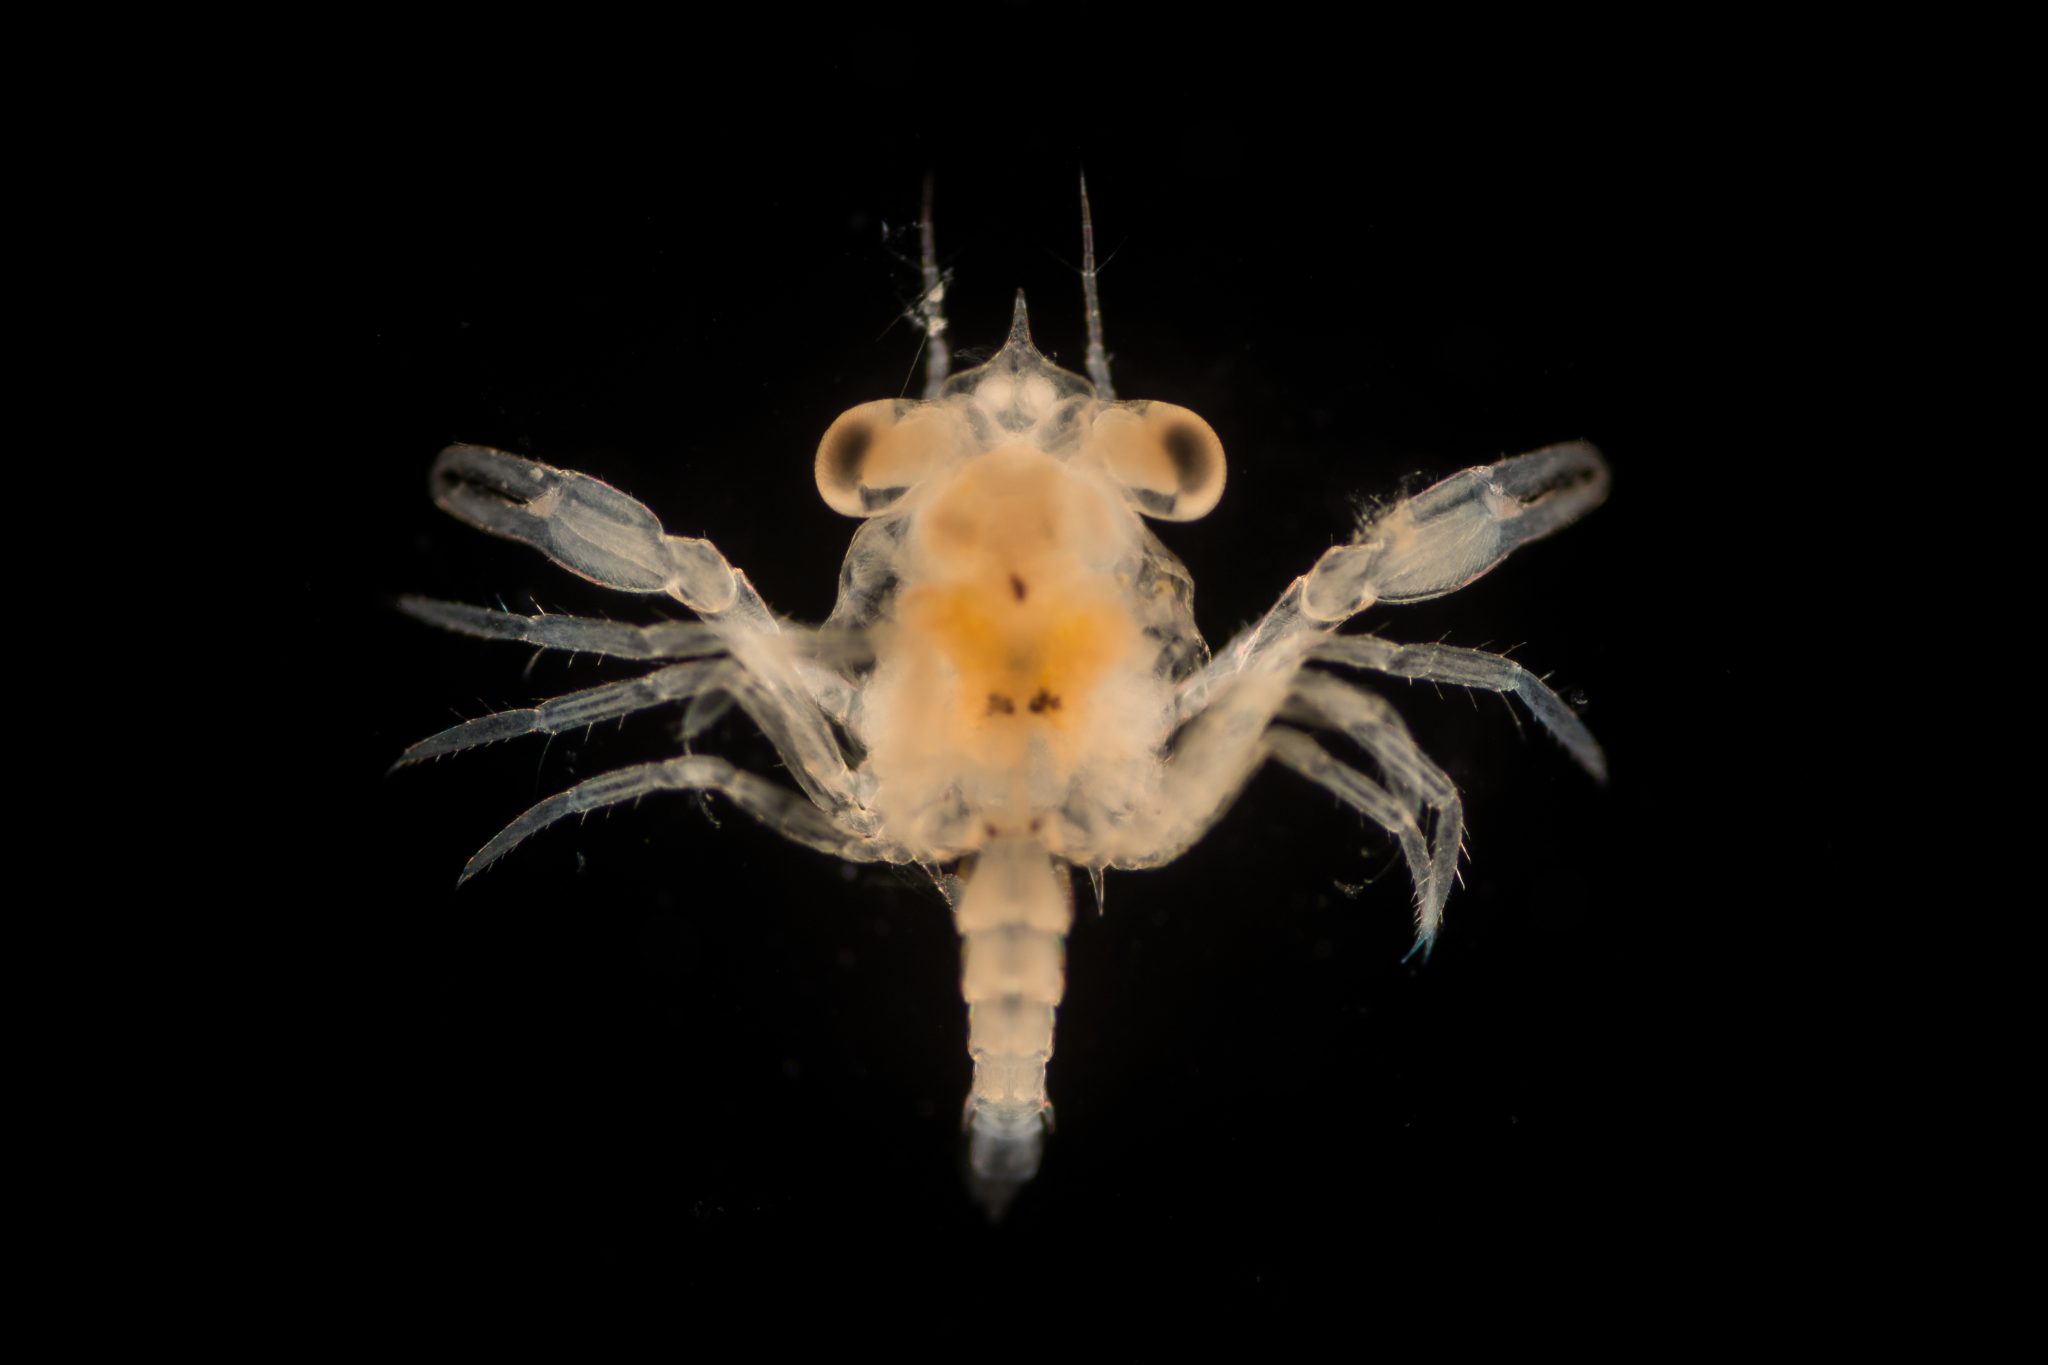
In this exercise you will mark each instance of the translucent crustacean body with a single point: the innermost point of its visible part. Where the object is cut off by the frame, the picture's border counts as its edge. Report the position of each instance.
(1012, 683)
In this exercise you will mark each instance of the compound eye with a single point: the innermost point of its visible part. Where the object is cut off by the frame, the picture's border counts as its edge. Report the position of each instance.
(1167, 459)
(877, 452)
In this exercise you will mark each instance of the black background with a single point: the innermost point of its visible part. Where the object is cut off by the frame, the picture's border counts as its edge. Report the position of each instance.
(657, 1049)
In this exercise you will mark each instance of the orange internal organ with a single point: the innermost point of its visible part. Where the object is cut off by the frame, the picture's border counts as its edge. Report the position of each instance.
(1018, 660)
(1012, 618)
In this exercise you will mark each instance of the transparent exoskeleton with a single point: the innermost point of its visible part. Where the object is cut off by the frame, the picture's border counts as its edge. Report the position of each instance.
(1014, 659)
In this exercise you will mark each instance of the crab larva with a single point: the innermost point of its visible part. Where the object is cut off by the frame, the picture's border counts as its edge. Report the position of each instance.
(1011, 684)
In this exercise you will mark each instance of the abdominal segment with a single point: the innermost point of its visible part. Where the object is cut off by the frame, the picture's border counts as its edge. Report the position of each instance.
(1013, 919)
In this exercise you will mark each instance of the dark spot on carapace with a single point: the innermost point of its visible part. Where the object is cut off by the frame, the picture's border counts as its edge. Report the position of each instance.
(849, 450)
(1043, 702)
(1017, 587)
(1000, 705)
(991, 830)
(1036, 823)
(1189, 453)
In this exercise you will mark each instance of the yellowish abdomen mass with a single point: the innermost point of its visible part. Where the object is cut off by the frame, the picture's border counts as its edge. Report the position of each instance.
(1016, 661)
(1012, 636)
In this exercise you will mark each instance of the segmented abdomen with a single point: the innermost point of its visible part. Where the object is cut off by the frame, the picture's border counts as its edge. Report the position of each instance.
(1013, 921)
